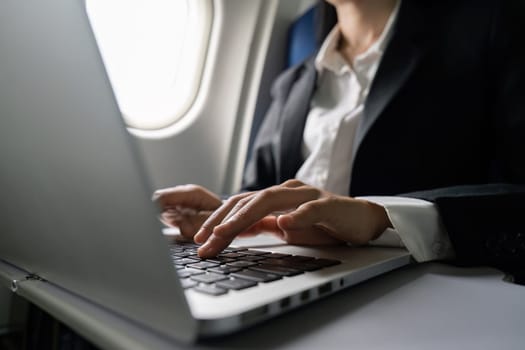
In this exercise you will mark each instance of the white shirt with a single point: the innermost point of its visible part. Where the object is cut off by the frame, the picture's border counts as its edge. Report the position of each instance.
(336, 109)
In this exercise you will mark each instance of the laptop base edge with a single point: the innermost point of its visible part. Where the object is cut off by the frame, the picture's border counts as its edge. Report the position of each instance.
(211, 328)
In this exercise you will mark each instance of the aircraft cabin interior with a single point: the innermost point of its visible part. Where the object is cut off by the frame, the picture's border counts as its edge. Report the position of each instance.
(262, 174)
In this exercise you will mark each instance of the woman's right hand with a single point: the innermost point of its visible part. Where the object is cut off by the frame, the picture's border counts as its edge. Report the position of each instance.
(186, 207)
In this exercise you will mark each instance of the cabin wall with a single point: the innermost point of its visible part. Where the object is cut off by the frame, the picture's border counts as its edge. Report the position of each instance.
(208, 146)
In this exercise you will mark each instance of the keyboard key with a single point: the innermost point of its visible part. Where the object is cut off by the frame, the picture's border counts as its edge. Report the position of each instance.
(299, 265)
(236, 283)
(193, 255)
(241, 263)
(187, 283)
(278, 270)
(276, 255)
(325, 262)
(222, 259)
(299, 258)
(231, 255)
(224, 269)
(181, 254)
(256, 276)
(215, 261)
(237, 268)
(209, 277)
(184, 261)
(190, 247)
(203, 265)
(187, 272)
(280, 262)
(253, 257)
(210, 289)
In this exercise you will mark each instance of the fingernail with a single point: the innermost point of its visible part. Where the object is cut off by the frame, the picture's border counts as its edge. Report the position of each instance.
(204, 250)
(200, 236)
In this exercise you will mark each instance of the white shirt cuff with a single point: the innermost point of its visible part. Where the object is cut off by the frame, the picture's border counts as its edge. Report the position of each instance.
(417, 225)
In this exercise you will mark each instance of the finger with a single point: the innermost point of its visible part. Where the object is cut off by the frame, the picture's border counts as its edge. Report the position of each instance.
(192, 223)
(340, 217)
(218, 216)
(191, 196)
(307, 224)
(187, 224)
(293, 183)
(267, 224)
(265, 202)
(304, 217)
(217, 242)
(213, 246)
(241, 200)
(239, 204)
(170, 217)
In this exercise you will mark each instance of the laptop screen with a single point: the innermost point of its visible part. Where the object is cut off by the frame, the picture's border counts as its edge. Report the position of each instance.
(75, 202)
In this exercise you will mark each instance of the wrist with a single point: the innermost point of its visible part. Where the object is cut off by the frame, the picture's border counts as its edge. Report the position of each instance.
(379, 220)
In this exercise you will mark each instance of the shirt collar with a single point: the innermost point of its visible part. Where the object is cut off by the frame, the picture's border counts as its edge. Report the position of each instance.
(331, 59)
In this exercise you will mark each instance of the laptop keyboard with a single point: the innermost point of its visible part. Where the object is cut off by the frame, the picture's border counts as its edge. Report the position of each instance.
(238, 268)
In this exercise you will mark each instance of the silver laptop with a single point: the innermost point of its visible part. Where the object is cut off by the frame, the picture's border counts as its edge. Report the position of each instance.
(75, 198)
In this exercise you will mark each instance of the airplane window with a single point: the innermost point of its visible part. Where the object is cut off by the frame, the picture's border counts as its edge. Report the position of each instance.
(154, 55)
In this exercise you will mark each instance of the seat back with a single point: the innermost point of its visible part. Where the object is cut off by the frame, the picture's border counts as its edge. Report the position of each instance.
(302, 37)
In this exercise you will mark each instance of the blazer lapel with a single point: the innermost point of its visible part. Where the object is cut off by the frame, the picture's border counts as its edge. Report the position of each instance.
(294, 114)
(399, 60)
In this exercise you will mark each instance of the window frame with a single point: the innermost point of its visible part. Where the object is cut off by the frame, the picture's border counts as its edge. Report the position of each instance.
(189, 78)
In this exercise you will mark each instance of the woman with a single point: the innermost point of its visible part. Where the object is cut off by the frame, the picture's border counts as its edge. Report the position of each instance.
(417, 103)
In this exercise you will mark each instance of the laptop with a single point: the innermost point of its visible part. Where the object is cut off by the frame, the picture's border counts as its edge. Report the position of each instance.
(76, 206)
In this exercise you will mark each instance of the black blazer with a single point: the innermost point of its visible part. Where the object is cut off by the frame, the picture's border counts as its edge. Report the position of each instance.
(444, 121)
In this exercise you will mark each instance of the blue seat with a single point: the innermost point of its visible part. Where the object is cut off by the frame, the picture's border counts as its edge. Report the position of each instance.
(301, 38)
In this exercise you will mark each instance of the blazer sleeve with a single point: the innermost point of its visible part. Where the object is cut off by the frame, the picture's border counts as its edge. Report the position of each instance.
(486, 222)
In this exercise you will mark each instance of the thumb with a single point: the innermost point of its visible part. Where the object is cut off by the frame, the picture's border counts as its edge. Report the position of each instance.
(305, 216)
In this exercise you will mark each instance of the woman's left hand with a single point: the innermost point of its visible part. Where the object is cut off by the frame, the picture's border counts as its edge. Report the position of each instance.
(296, 212)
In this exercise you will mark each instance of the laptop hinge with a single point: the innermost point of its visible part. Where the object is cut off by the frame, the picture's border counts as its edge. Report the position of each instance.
(15, 283)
